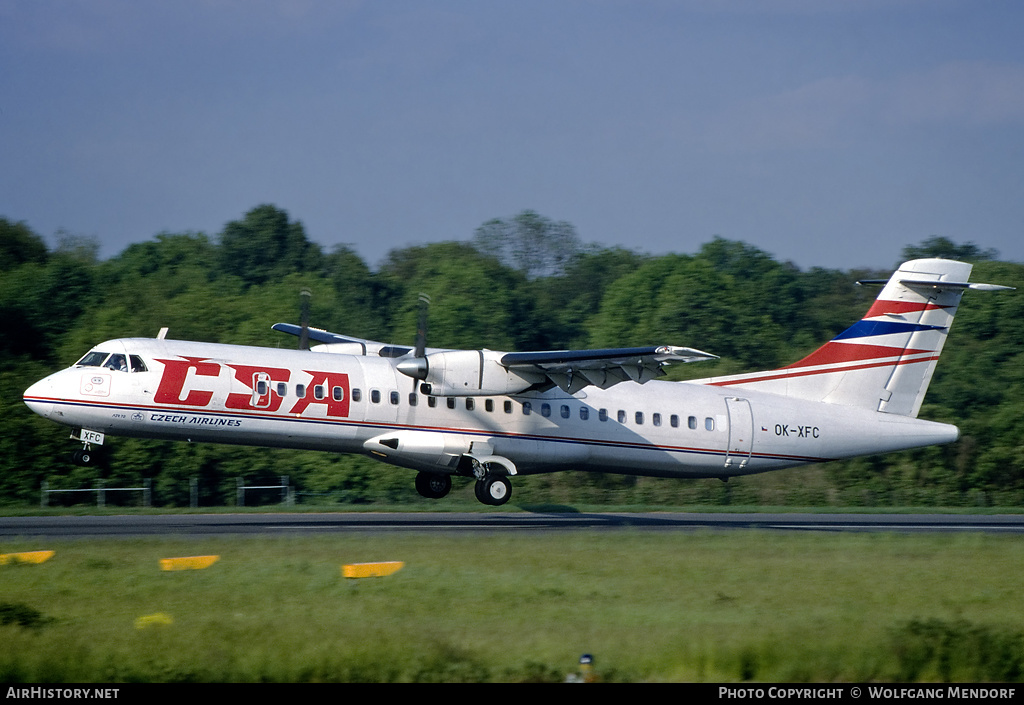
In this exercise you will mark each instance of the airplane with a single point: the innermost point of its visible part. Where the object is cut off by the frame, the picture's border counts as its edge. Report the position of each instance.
(491, 415)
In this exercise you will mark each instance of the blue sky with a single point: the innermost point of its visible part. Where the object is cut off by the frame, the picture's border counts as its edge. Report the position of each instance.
(831, 133)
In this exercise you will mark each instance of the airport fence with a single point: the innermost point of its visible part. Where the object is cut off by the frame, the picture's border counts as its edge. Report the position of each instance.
(101, 493)
(285, 489)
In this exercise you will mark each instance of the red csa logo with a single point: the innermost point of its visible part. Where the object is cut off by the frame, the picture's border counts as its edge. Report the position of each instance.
(191, 381)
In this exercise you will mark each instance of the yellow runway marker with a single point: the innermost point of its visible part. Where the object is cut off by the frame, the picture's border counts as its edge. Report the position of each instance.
(160, 619)
(26, 557)
(371, 570)
(188, 562)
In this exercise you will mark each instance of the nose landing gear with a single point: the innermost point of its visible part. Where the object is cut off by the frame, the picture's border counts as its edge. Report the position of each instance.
(87, 455)
(84, 457)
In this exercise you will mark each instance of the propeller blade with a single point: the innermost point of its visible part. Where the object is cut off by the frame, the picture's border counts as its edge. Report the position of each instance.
(417, 366)
(421, 326)
(304, 320)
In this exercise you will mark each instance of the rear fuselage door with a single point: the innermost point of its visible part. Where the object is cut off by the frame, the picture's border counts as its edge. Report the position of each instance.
(741, 432)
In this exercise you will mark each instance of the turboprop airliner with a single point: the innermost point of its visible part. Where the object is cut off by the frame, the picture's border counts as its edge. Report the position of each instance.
(491, 415)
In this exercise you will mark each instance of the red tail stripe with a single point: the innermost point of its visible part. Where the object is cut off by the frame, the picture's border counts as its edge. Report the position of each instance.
(833, 352)
(781, 374)
(883, 308)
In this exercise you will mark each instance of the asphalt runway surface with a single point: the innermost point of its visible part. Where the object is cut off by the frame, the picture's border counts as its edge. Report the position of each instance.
(126, 526)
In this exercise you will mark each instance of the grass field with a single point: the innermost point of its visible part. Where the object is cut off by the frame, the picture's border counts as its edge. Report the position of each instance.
(649, 606)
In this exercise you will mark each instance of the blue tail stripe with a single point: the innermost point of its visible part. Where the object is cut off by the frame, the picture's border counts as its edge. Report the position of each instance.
(867, 329)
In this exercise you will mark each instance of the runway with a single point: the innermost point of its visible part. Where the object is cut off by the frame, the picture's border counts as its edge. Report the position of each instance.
(126, 526)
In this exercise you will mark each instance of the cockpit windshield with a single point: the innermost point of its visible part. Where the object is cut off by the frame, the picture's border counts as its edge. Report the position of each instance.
(113, 361)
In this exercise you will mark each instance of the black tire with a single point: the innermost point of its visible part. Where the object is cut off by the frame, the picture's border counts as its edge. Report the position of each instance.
(494, 490)
(478, 490)
(432, 485)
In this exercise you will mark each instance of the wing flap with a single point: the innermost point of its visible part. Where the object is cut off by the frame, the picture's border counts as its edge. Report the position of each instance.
(572, 370)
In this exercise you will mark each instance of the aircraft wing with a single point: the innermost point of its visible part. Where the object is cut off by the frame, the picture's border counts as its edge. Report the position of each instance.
(320, 336)
(327, 338)
(572, 370)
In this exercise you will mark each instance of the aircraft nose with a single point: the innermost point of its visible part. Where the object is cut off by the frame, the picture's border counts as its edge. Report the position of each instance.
(38, 396)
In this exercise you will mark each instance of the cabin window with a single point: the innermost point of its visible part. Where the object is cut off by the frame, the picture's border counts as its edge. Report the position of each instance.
(432, 402)
(545, 410)
(393, 398)
(412, 399)
(602, 414)
(692, 422)
(508, 407)
(262, 388)
(639, 417)
(527, 408)
(674, 420)
(656, 419)
(451, 402)
(565, 411)
(709, 423)
(357, 394)
(470, 404)
(318, 391)
(584, 413)
(489, 405)
(375, 396)
(300, 391)
(117, 363)
(282, 389)
(92, 359)
(621, 416)
(337, 393)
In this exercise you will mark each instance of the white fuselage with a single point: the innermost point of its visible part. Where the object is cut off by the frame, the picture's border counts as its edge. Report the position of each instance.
(204, 392)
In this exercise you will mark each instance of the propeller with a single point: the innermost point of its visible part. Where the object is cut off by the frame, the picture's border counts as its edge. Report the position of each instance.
(417, 366)
(421, 326)
(304, 320)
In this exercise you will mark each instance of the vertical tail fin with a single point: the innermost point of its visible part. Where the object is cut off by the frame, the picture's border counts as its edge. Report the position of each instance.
(885, 361)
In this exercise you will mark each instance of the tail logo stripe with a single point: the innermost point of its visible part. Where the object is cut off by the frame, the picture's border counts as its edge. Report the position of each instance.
(867, 328)
(883, 307)
(835, 353)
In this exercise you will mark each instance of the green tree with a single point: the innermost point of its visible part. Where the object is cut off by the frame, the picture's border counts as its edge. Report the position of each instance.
(19, 245)
(567, 304)
(937, 246)
(475, 301)
(265, 245)
(530, 243)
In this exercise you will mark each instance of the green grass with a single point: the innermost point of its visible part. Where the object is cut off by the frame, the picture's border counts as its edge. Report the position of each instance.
(650, 606)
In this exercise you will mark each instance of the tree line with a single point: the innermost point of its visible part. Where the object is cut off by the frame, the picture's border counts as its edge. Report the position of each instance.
(519, 283)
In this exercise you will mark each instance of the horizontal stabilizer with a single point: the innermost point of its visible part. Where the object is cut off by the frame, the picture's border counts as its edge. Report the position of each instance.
(940, 286)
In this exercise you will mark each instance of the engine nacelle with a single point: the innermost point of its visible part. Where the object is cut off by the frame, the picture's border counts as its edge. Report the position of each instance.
(464, 373)
(441, 453)
(420, 450)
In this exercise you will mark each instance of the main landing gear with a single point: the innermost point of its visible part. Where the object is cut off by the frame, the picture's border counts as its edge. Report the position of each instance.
(433, 486)
(493, 490)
